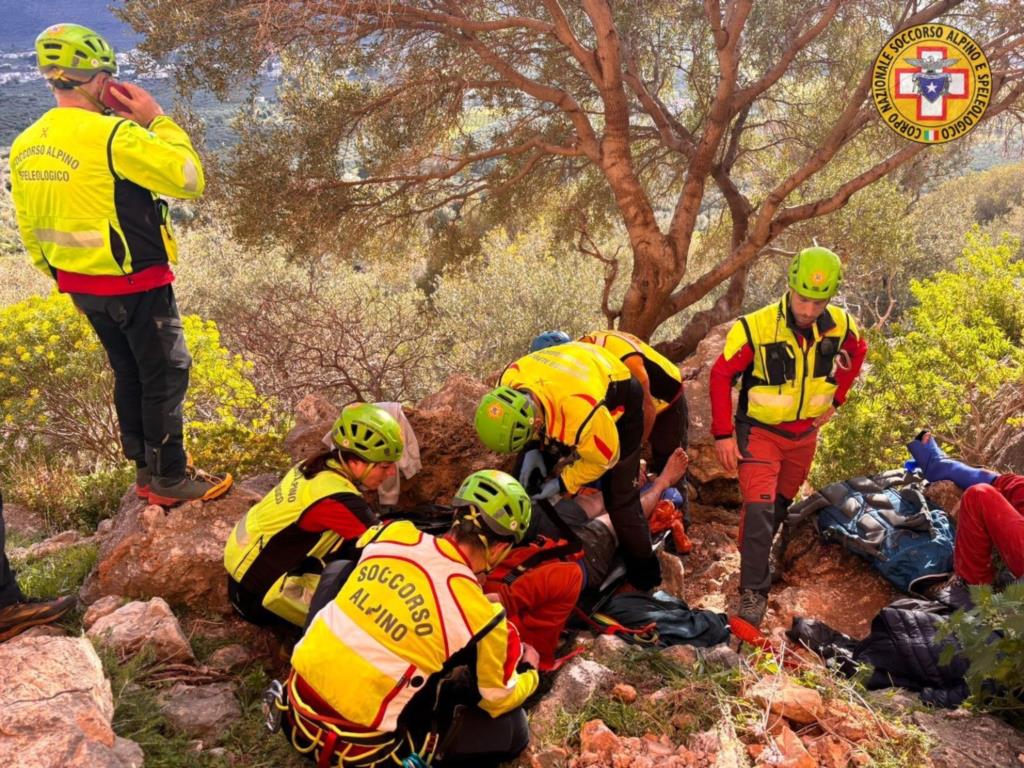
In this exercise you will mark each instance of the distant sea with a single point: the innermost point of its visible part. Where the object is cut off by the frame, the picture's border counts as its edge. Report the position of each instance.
(23, 94)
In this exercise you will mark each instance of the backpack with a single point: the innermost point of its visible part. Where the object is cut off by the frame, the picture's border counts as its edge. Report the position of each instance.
(886, 520)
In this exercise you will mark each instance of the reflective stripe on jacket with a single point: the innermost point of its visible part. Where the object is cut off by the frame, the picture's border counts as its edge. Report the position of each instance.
(663, 376)
(411, 603)
(788, 380)
(571, 383)
(85, 189)
(268, 542)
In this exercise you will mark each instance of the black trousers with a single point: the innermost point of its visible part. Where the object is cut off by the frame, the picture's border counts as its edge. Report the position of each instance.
(620, 487)
(9, 591)
(145, 343)
(670, 431)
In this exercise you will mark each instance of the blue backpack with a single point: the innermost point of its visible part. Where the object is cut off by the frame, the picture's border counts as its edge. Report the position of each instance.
(886, 520)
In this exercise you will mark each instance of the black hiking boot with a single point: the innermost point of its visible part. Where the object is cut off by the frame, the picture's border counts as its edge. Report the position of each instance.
(143, 478)
(16, 618)
(196, 484)
(752, 607)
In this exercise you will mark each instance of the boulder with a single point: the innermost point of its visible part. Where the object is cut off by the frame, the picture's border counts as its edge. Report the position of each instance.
(176, 554)
(704, 467)
(449, 447)
(200, 711)
(102, 607)
(137, 625)
(787, 699)
(56, 707)
(314, 416)
(673, 574)
(608, 647)
(229, 658)
(577, 682)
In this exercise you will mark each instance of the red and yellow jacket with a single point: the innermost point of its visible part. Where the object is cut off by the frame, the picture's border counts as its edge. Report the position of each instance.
(571, 382)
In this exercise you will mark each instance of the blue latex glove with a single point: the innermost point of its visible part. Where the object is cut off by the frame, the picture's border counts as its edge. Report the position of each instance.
(937, 466)
(533, 461)
(551, 490)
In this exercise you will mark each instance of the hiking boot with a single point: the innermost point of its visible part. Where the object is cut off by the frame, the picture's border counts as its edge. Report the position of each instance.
(143, 477)
(752, 607)
(196, 484)
(16, 618)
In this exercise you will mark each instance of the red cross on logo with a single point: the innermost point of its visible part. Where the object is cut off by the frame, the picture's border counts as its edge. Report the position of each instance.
(910, 81)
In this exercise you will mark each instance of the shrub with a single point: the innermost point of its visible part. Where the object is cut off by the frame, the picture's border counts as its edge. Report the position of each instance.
(55, 392)
(61, 573)
(991, 637)
(956, 365)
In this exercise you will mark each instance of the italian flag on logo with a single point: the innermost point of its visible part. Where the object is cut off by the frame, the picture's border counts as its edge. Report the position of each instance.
(931, 135)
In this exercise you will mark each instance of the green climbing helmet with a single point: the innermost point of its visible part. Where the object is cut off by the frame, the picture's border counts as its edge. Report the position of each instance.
(498, 500)
(815, 273)
(504, 420)
(368, 431)
(73, 52)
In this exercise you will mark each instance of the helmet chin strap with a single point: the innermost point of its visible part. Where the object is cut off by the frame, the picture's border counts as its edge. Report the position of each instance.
(340, 465)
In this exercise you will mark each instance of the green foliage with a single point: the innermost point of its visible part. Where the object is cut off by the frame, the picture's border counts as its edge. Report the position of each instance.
(55, 393)
(991, 637)
(61, 573)
(51, 487)
(955, 365)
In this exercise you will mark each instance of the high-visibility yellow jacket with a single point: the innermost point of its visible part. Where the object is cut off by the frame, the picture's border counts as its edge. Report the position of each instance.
(664, 381)
(267, 542)
(571, 383)
(411, 603)
(85, 189)
(789, 381)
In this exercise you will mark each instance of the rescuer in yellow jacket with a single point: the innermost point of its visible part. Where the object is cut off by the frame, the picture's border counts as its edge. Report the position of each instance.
(666, 420)
(276, 552)
(86, 181)
(581, 403)
(372, 679)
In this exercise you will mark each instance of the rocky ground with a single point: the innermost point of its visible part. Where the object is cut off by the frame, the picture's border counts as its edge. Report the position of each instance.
(158, 672)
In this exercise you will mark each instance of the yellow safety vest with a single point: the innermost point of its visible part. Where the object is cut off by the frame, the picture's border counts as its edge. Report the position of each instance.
(411, 603)
(788, 382)
(85, 189)
(267, 542)
(663, 376)
(571, 382)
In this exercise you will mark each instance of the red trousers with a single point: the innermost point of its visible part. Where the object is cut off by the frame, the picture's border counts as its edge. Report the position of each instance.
(989, 521)
(771, 472)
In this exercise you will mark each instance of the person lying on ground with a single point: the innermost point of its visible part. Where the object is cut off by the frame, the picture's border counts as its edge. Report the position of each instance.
(17, 612)
(989, 517)
(580, 403)
(540, 599)
(410, 654)
(276, 551)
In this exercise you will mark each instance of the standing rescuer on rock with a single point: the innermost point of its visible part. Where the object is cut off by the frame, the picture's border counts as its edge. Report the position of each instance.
(275, 553)
(17, 613)
(795, 361)
(411, 660)
(86, 181)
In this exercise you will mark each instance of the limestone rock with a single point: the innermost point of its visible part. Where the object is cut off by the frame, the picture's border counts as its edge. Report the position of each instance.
(683, 655)
(102, 607)
(314, 416)
(45, 630)
(176, 554)
(624, 692)
(980, 741)
(23, 521)
(788, 751)
(704, 467)
(201, 711)
(787, 699)
(56, 707)
(136, 625)
(597, 738)
(578, 681)
(608, 647)
(673, 574)
(544, 756)
(129, 752)
(721, 656)
(50, 546)
(229, 658)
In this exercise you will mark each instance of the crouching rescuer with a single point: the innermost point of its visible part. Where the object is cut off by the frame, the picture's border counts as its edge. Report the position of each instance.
(795, 360)
(276, 552)
(410, 663)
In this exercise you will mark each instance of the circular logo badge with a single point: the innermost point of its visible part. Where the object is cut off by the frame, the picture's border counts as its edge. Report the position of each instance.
(931, 83)
(495, 411)
(817, 278)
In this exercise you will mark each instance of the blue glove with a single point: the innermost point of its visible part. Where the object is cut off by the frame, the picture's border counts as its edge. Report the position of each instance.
(551, 490)
(533, 461)
(937, 466)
